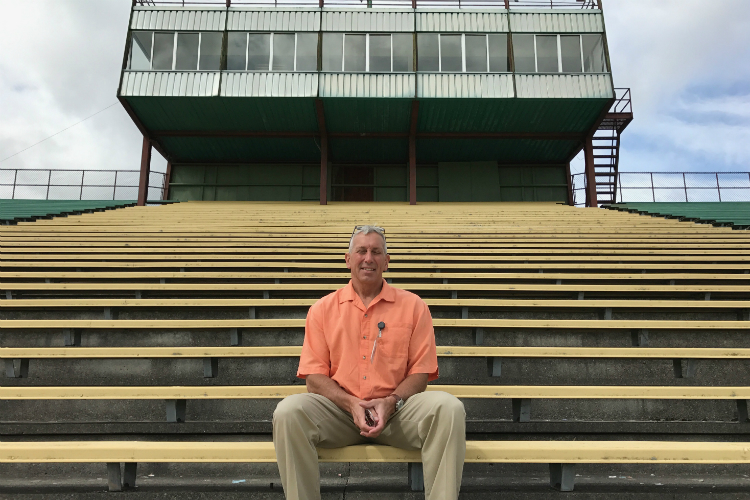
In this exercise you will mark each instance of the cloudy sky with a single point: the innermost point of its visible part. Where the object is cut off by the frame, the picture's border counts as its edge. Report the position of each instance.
(687, 62)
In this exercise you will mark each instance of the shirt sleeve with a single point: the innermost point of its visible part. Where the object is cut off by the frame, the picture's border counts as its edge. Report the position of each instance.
(315, 357)
(422, 349)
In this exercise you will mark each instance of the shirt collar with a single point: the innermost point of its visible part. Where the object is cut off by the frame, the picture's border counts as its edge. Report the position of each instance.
(348, 294)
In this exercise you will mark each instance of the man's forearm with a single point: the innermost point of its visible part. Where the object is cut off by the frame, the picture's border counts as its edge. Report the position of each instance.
(327, 387)
(411, 385)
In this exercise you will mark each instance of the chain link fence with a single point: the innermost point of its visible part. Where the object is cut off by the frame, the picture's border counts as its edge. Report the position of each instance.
(44, 184)
(666, 187)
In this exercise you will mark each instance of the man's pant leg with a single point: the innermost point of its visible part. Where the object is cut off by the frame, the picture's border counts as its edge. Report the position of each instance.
(300, 423)
(434, 422)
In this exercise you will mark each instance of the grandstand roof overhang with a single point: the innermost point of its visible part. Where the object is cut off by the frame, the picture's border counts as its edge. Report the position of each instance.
(244, 116)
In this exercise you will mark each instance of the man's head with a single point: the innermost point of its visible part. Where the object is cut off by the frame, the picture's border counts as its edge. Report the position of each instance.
(368, 255)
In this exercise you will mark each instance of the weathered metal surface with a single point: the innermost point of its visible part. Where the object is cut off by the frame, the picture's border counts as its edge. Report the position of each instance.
(485, 22)
(263, 114)
(542, 116)
(464, 85)
(243, 84)
(170, 83)
(596, 86)
(507, 150)
(538, 22)
(400, 85)
(369, 21)
(273, 20)
(145, 18)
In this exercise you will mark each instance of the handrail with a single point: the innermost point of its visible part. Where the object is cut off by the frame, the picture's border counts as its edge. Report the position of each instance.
(622, 102)
(676, 187)
(53, 184)
(413, 4)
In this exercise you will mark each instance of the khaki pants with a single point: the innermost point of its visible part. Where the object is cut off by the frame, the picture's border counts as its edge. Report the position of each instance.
(434, 422)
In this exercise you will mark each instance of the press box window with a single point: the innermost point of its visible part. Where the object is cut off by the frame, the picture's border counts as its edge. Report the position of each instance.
(167, 51)
(360, 52)
(272, 52)
(559, 54)
(459, 53)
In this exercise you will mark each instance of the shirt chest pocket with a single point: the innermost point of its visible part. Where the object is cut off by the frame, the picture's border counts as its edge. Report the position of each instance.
(395, 340)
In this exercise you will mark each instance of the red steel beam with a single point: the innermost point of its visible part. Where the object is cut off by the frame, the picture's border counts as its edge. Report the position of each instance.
(144, 131)
(413, 153)
(320, 111)
(145, 171)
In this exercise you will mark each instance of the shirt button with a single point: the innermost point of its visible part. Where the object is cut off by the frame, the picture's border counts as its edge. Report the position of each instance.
(365, 377)
(365, 337)
(365, 315)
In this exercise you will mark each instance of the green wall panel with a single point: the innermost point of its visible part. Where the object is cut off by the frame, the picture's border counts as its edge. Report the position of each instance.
(468, 181)
(245, 182)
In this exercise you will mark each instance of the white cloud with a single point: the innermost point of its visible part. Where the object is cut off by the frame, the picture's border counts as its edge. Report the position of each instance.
(684, 61)
(60, 62)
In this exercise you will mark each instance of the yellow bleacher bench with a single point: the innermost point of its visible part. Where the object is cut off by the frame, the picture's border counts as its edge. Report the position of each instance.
(562, 456)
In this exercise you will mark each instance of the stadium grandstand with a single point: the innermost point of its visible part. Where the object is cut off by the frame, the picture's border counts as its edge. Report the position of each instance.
(146, 342)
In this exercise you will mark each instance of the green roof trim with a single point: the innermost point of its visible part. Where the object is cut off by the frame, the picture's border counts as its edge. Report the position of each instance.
(12, 211)
(727, 213)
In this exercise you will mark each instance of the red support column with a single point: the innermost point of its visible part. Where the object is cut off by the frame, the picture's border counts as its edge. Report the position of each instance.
(413, 153)
(588, 151)
(145, 172)
(323, 151)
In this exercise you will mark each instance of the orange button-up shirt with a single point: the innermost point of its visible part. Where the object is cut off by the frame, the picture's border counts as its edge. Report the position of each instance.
(340, 332)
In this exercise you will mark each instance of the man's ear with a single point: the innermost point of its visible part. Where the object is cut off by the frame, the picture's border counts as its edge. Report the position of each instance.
(387, 260)
(348, 263)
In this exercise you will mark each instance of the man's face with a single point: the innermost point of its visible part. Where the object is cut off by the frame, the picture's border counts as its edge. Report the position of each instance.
(367, 259)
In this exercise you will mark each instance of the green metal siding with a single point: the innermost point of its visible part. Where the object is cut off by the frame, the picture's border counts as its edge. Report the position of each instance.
(243, 149)
(368, 150)
(469, 181)
(509, 115)
(245, 182)
(269, 114)
(485, 181)
(367, 115)
(505, 151)
(533, 183)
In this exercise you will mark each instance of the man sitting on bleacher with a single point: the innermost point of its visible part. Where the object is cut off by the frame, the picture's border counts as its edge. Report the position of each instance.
(368, 354)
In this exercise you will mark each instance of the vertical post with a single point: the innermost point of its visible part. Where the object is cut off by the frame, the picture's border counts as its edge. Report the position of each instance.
(49, 181)
(229, 3)
(684, 183)
(507, 4)
(145, 172)
(320, 3)
(588, 149)
(114, 187)
(83, 176)
(571, 199)
(413, 153)
(167, 179)
(323, 151)
(413, 4)
(718, 187)
(653, 191)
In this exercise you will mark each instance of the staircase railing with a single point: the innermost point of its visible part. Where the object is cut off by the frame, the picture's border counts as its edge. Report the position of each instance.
(672, 187)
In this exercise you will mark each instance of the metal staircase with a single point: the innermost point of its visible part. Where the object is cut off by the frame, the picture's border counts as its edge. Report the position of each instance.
(606, 146)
